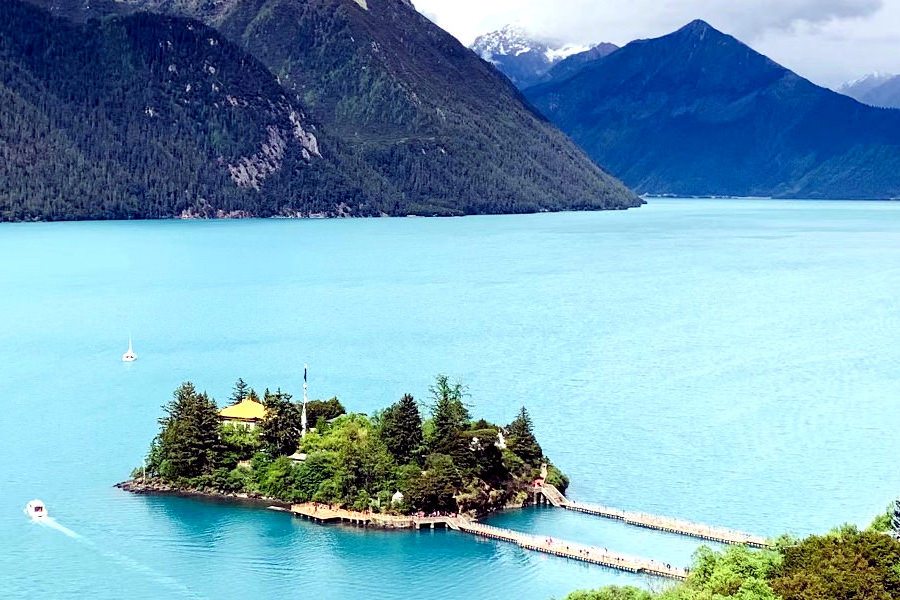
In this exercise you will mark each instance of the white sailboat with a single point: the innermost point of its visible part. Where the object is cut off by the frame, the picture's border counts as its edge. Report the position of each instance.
(129, 356)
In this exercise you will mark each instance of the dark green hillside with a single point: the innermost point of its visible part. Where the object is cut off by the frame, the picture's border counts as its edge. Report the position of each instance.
(432, 120)
(697, 112)
(151, 116)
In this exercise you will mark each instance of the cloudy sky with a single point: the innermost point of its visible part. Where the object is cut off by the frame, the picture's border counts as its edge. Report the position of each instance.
(827, 41)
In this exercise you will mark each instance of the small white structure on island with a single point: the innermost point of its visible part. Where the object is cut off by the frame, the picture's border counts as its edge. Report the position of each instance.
(501, 441)
(397, 498)
(298, 457)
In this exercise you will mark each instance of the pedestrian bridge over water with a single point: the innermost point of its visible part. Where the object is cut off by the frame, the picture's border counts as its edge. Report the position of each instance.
(547, 493)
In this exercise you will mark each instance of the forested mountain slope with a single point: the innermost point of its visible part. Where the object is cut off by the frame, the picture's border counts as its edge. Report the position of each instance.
(425, 125)
(154, 116)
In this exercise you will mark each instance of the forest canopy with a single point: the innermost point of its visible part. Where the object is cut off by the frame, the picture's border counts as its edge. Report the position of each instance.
(438, 458)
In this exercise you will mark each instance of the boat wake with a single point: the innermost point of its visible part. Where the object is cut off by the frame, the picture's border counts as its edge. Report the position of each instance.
(169, 582)
(51, 523)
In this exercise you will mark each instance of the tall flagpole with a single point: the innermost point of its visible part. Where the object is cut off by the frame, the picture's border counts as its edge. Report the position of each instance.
(303, 414)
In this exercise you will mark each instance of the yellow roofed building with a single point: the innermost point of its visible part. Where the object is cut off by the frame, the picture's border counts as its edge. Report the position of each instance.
(247, 412)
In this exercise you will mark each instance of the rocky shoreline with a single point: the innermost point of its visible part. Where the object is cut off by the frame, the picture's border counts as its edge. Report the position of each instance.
(160, 488)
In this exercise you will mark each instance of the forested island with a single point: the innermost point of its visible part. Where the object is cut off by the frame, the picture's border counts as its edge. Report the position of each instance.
(394, 461)
(844, 564)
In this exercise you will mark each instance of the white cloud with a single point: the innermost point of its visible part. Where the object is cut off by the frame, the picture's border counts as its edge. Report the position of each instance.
(828, 41)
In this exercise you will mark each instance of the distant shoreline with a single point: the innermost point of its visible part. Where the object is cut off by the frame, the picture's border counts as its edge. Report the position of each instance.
(773, 198)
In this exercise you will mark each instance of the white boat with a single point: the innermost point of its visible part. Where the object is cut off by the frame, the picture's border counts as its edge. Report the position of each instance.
(36, 510)
(129, 356)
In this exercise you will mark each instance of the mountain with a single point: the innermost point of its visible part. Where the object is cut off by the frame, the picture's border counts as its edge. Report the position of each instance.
(525, 60)
(697, 112)
(876, 89)
(427, 124)
(152, 116)
(572, 64)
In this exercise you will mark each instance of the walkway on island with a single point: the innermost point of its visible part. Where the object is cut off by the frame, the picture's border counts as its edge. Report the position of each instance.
(565, 549)
(679, 526)
(322, 513)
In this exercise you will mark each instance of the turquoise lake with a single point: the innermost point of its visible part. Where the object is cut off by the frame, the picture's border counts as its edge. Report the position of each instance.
(734, 362)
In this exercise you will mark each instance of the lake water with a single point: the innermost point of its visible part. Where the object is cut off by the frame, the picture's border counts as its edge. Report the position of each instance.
(732, 362)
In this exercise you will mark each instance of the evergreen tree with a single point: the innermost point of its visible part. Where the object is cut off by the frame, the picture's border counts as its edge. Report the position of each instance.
(324, 409)
(280, 429)
(522, 440)
(239, 391)
(449, 413)
(437, 487)
(401, 429)
(189, 443)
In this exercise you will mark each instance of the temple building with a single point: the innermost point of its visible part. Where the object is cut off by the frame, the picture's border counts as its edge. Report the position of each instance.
(247, 412)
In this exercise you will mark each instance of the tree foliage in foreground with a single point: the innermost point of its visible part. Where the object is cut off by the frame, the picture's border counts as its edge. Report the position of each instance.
(846, 564)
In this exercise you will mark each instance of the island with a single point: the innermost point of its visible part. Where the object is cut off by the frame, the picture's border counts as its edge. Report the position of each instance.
(394, 462)
(398, 469)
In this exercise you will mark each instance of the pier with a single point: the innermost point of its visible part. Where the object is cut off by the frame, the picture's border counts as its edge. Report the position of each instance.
(679, 526)
(565, 549)
(321, 513)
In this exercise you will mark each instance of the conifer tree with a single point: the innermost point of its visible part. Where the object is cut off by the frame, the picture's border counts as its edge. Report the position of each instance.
(189, 443)
(522, 440)
(280, 429)
(449, 413)
(239, 391)
(401, 429)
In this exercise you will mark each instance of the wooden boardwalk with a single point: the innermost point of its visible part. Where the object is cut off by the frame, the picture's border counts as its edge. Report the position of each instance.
(679, 526)
(565, 549)
(322, 513)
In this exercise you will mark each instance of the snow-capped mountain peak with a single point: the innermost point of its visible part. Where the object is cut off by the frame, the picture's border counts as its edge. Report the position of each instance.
(874, 89)
(555, 55)
(511, 40)
(866, 82)
(522, 56)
